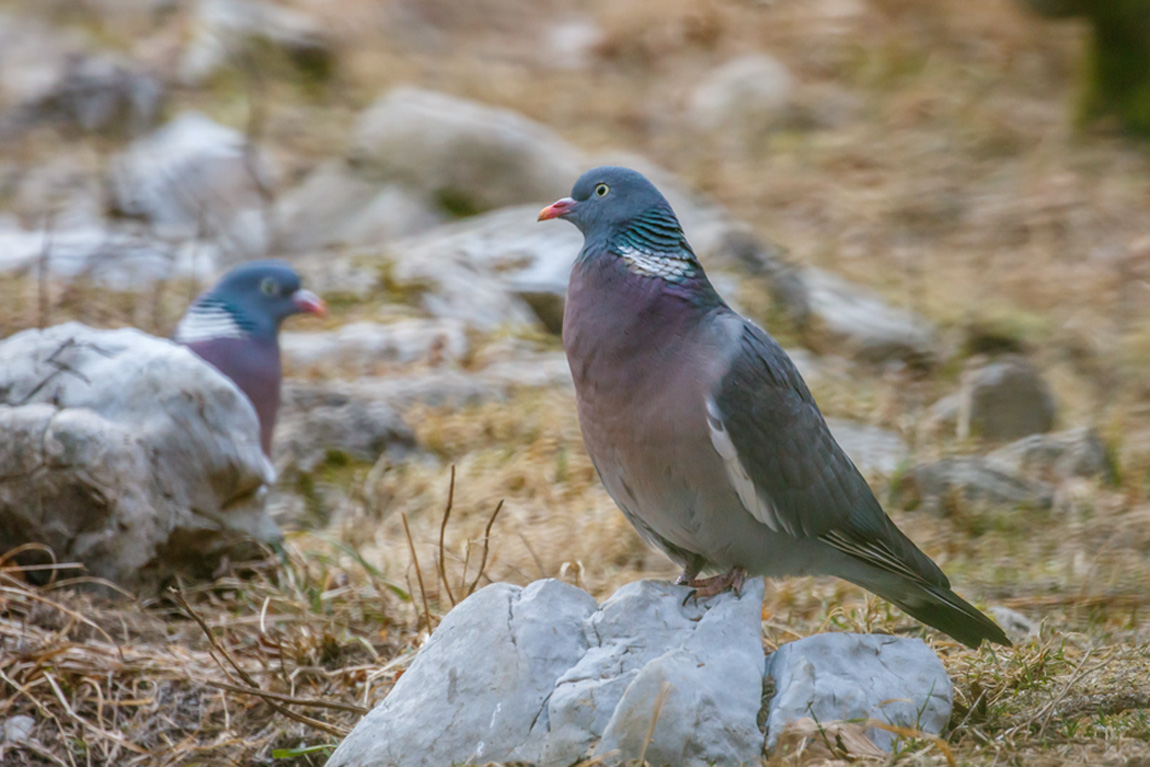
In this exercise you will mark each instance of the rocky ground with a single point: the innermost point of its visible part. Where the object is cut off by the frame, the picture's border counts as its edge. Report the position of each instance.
(893, 188)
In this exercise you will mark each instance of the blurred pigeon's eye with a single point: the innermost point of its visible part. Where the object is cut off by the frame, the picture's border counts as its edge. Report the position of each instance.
(601, 190)
(269, 287)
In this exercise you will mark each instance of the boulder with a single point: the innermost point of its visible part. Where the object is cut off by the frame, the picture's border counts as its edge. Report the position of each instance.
(359, 348)
(453, 270)
(743, 99)
(570, 44)
(101, 94)
(1016, 625)
(196, 179)
(452, 386)
(833, 677)
(1004, 400)
(126, 453)
(972, 479)
(336, 207)
(874, 450)
(34, 55)
(847, 316)
(229, 32)
(522, 264)
(560, 679)
(116, 257)
(318, 423)
(1056, 457)
(468, 157)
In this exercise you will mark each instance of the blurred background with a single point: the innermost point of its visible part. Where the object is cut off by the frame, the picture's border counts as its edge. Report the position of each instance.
(940, 208)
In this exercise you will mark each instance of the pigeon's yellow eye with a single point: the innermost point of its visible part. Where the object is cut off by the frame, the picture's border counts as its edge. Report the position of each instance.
(601, 190)
(269, 287)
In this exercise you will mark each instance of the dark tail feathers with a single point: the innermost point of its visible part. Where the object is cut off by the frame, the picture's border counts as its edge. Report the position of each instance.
(946, 611)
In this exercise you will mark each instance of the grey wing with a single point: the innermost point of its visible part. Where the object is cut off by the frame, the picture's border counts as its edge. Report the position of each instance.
(789, 471)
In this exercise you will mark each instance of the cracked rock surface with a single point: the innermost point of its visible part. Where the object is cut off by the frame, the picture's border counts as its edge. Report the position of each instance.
(127, 453)
(543, 676)
(560, 678)
(829, 677)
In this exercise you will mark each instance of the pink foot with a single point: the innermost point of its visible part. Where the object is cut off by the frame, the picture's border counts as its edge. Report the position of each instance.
(732, 580)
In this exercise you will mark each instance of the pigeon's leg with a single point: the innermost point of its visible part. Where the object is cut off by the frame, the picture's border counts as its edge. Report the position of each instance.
(708, 587)
(690, 572)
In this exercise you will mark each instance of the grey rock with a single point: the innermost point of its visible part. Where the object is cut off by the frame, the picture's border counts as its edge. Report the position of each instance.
(33, 56)
(558, 679)
(116, 257)
(225, 30)
(1056, 457)
(362, 347)
(126, 453)
(483, 678)
(1016, 625)
(874, 450)
(766, 260)
(449, 386)
(863, 324)
(319, 422)
(525, 263)
(1003, 400)
(701, 658)
(831, 677)
(17, 729)
(336, 207)
(103, 94)
(942, 417)
(467, 156)
(974, 480)
(742, 99)
(452, 270)
(331, 273)
(196, 179)
(570, 44)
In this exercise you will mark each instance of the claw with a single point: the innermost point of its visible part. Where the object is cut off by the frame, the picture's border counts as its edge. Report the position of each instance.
(732, 580)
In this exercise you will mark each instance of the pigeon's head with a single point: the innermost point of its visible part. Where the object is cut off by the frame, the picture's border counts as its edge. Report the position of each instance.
(265, 292)
(608, 199)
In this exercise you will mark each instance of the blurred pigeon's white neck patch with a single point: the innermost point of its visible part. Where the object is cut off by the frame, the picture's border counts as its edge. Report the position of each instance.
(671, 267)
(207, 322)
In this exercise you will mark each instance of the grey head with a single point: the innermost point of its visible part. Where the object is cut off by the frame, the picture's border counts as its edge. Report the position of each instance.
(252, 300)
(621, 213)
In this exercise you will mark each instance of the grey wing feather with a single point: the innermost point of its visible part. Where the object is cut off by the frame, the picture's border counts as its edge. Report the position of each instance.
(798, 471)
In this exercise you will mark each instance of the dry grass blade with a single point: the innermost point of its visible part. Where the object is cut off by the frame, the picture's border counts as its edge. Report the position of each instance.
(334, 705)
(442, 532)
(253, 686)
(486, 545)
(27, 593)
(911, 732)
(656, 712)
(418, 572)
(85, 723)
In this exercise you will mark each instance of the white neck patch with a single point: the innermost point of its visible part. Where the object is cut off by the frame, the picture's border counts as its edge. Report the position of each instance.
(667, 266)
(205, 323)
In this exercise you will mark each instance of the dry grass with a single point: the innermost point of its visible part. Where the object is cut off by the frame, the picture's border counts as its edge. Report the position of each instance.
(930, 159)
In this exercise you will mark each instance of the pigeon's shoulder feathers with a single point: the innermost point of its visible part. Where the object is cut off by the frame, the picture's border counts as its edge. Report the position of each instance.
(211, 318)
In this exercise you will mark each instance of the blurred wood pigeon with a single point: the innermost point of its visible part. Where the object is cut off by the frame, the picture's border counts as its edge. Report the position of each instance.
(235, 327)
(702, 429)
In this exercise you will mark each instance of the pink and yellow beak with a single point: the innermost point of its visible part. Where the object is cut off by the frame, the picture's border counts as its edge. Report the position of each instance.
(557, 209)
(309, 302)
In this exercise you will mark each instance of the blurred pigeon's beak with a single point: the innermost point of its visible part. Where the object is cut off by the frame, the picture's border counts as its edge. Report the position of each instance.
(557, 209)
(309, 302)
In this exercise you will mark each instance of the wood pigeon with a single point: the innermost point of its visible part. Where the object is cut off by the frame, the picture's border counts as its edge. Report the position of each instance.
(702, 429)
(235, 327)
